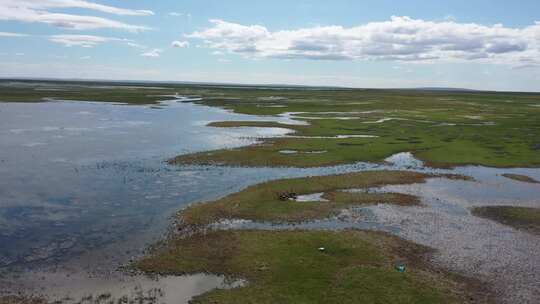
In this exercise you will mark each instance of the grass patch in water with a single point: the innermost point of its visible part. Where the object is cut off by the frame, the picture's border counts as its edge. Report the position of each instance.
(262, 202)
(288, 267)
(257, 124)
(521, 178)
(522, 218)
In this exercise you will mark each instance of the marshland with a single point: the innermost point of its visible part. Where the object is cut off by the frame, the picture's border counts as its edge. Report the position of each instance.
(160, 193)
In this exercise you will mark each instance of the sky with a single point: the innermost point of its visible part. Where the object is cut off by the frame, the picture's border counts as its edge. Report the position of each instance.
(476, 44)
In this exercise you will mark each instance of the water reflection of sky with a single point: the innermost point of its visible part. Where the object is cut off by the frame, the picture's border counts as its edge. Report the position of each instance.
(76, 175)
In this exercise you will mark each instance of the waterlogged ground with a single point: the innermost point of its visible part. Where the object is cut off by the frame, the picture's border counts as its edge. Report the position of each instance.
(504, 257)
(85, 186)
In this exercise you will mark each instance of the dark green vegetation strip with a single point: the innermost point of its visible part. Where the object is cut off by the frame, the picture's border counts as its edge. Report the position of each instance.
(442, 128)
(137, 94)
(288, 267)
(518, 217)
(264, 202)
(521, 178)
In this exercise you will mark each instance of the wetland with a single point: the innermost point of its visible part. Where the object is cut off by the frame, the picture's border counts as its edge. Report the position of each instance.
(166, 193)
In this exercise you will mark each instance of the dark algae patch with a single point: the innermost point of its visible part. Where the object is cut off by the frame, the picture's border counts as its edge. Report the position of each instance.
(521, 178)
(291, 267)
(523, 218)
(264, 202)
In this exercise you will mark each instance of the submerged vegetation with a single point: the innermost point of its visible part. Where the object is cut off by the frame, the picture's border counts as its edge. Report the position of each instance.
(521, 178)
(523, 218)
(311, 267)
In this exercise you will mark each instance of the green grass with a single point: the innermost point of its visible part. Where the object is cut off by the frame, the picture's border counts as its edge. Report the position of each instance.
(287, 267)
(261, 202)
(523, 218)
(102, 92)
(442, 128)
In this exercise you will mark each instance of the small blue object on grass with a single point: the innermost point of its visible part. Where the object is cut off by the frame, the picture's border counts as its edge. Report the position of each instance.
(400, 268)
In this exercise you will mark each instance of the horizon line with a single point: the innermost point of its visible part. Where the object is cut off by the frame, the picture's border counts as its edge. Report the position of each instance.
(210, 83)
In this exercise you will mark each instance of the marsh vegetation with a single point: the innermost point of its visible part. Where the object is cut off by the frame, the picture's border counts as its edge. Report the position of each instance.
(306, 156)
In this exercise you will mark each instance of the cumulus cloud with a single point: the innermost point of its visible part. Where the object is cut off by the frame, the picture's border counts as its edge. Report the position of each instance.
(9, 34)
(180, 44)
(153, 53)
(86, 41)
(38, 11)
(398, 39)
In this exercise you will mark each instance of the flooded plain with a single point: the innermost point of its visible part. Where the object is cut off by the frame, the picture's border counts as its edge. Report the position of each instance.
(84, 187)
(505, 258)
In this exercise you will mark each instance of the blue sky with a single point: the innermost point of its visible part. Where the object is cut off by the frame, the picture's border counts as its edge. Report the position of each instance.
(474, 44)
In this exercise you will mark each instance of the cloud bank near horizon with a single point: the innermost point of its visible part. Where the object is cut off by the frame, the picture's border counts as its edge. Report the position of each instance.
(401, 39)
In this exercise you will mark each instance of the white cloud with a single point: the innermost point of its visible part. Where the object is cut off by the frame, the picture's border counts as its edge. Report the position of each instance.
(44, 4)
(399, 39)
(136, 45)
(38, 11)
(9, 34)
(85, 57)
(178, 14)
(180, 44)
(152, 53)
(86, 41)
